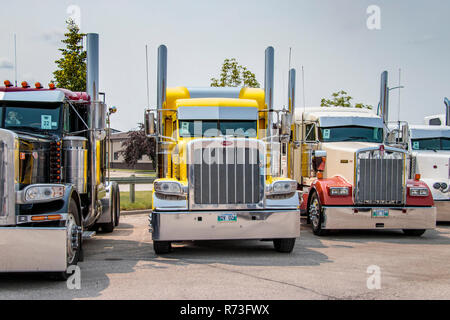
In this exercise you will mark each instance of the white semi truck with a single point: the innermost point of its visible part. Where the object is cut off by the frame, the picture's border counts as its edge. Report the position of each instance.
(429, 156)
(349, 176)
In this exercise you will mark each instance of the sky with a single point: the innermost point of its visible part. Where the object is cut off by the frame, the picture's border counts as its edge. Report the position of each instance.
(330, 39)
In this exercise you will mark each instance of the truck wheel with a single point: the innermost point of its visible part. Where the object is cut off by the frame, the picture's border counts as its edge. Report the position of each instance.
(162, 247)
(74, 241)
(109, 226)
(414, 233)
(284, 245)
(315, 215)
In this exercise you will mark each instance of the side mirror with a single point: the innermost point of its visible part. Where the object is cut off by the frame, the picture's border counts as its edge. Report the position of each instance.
(149, 123)
(286, 124)
(319, 159)
(99, 120)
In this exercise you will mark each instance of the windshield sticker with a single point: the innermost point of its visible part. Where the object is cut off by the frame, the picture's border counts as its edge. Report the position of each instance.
(326, 133)
(46, 122)
(416, 145)
(184, 128)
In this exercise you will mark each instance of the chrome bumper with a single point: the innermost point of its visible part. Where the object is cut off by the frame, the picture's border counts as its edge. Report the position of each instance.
(443, 210)
(346, 218)
(33, 249)
(195, 225)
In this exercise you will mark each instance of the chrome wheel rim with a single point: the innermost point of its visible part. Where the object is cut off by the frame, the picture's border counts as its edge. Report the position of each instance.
(314, 213)
(72, 238)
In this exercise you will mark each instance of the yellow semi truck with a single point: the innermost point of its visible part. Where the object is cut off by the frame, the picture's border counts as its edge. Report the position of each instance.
(221, 164)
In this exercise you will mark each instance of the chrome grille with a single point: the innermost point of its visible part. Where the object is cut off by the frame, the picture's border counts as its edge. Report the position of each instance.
(230, 181)
(380, 177)
(226, 174)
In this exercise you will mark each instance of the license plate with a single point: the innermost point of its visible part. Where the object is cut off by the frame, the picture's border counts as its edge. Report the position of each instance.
(380, 213)
(227, 217)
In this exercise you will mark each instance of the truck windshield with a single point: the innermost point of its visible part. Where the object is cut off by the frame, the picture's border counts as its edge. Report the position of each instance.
(351, 133)
(431, 144)
(215, 128)
(31, 117)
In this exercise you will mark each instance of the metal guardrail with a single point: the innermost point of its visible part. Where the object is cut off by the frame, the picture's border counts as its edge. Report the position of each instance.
(133, 181)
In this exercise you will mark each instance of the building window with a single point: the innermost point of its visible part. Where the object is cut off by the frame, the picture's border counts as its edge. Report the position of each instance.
(116, 155)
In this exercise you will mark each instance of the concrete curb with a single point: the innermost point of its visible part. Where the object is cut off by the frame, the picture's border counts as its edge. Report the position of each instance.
(134, 212)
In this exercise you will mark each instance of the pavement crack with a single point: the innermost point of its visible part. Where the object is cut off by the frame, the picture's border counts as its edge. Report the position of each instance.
(270, 280)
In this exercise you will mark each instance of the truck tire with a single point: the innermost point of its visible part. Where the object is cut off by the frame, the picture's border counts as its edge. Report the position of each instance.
(284, 245)
(109, 226)
(315, 215)
(74, 249)
(117, 206)
(162, 247)
(414, 233)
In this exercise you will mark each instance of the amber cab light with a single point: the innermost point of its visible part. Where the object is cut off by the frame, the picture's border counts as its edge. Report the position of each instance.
(319, 175)
(25, 84)
(417, 177)
(7, 83)
(51, 86)
(38, 85)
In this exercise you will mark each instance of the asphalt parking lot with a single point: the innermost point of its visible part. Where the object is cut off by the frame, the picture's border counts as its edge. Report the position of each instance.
(123, 265)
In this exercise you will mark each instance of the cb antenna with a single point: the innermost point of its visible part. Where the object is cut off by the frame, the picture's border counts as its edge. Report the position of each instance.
(15, 60)
(303, 91)
(146, 67)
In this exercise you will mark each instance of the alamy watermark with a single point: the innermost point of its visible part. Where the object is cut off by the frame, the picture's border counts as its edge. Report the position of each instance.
(374, 280)
(74, 12)
(374, 19)
(74, 280)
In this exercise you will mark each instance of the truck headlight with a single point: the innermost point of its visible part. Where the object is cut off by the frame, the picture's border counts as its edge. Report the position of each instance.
(418, 192)
(168, 187)
(282, 187)
(43, 193)
(339, 191)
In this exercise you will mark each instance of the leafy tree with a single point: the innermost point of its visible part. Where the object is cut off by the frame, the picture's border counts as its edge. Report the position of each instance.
(71, 72)
(235, 75)
(138, 145)
(342, 99)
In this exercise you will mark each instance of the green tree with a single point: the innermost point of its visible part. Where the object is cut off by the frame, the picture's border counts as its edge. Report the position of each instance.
(342, 99)
(235, 75)
(71, 72)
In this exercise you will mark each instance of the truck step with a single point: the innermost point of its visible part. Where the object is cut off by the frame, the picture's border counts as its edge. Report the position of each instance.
(88, 235)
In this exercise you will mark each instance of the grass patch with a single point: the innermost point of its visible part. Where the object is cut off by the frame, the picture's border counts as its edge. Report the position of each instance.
(143, 201)
(140, 172)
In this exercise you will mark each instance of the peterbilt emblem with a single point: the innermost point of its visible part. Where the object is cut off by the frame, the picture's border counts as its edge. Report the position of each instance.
(381, 150)
(227, 143)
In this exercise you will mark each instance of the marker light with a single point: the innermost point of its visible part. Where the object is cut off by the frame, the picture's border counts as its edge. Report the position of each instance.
(38, 85)
(7, 83)
(25, 84)
(417, 176)
(51, 86)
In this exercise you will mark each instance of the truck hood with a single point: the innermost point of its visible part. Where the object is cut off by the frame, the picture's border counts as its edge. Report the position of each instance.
(434, 167)
(341, 158)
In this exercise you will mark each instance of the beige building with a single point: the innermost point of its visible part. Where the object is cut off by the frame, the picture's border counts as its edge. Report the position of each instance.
(117, 160)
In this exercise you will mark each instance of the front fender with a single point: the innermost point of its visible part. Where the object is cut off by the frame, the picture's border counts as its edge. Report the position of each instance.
(321, 187)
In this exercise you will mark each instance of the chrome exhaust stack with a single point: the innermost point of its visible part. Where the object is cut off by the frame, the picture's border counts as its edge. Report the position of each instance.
(447, 112)
(92, 88)
(291, 94)
(161, 99)
(384, 98)
(268, 88)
